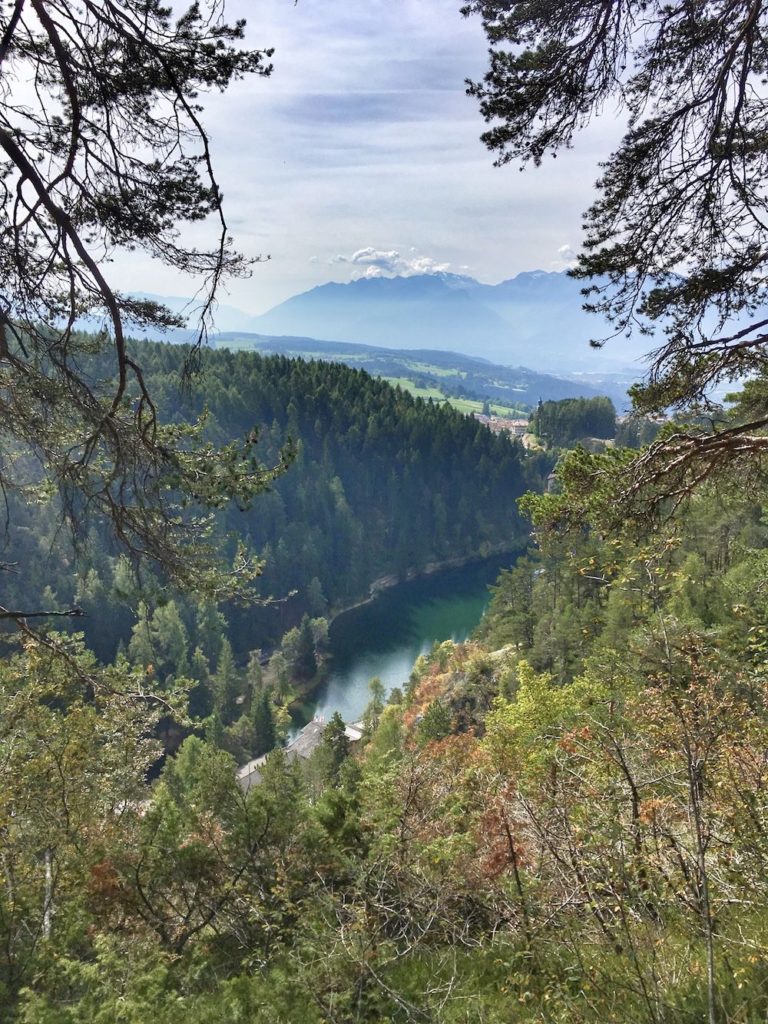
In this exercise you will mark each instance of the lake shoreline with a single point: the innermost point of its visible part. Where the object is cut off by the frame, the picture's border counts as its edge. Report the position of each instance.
(383, 583)
(354, 622)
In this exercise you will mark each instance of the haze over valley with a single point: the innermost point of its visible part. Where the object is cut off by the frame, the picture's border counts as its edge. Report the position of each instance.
(534, 319)
(522, 340)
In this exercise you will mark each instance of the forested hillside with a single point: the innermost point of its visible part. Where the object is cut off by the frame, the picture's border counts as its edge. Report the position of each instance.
(562, 820)
(453, 375)
(380, 484)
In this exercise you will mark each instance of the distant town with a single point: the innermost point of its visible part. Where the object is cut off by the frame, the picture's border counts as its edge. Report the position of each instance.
(497, 424)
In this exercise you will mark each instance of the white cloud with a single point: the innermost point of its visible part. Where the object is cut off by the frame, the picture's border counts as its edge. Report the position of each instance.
(565, 258)
(379, 262)
(365, 131)
(386, 260)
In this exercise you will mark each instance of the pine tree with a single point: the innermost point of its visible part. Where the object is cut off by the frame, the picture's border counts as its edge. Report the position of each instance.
(336, 745)
(264, 732)
(200, 702)
(226, 684)
(316, 601)
(254, 678)
(169, 640)
(278, 674)
(298, 646)
(676, 242)
(141, 650)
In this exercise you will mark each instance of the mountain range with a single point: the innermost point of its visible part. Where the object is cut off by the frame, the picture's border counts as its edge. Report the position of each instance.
(534, 319)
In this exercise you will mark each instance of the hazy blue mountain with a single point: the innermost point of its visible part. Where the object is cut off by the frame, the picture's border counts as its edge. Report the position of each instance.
(534, 319)
(429, 311)
(228, 318)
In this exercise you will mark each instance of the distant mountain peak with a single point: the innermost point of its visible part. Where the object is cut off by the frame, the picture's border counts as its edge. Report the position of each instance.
(533, 319)
(384, 282)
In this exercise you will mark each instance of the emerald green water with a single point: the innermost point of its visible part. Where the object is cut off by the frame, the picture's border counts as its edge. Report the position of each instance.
(384, 638)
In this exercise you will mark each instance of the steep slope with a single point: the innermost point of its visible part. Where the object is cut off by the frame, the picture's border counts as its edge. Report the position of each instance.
(381, 483)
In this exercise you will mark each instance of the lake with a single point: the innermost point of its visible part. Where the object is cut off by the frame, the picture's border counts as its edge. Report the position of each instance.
(385, 637)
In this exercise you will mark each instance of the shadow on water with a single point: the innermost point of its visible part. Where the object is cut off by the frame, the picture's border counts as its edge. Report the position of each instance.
(384, 638)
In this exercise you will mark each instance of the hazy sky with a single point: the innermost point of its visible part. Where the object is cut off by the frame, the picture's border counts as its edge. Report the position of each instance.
(361, 154)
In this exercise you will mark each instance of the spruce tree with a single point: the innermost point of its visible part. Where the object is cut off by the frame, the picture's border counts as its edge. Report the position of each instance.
(227, 684)
(264, 732)
(306, 660)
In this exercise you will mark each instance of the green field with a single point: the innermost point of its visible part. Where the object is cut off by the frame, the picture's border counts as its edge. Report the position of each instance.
(473, 405)
(435, 371)
(413, 370)
(408, 385)
(466, 405)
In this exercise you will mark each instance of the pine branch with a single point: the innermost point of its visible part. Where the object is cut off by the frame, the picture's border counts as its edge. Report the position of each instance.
(75, 612)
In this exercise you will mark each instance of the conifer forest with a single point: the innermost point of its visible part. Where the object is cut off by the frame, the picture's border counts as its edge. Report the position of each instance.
(562, 820)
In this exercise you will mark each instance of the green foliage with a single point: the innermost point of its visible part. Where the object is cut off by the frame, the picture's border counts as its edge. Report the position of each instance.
(335, 746)
(263, 719)
(563, 820)
(122, 170)
(298, 647)
(75, 749)
(546, 81)
(436, 722)
(375, 706)
(226, 684)
(636, 431)
(660, 255)
(571, 419)
(367, 495)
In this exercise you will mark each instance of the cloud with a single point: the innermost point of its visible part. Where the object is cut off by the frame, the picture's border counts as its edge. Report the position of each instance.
(380, 262)
(564, 260)
(365, 131)
(384, 259)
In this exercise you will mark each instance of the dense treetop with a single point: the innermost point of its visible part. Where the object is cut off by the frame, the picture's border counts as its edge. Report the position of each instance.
(380, 483)
(564, 422)
(102, 148)
(563, 819)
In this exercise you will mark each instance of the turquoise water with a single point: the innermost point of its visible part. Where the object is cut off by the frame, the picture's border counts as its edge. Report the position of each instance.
(384, 638)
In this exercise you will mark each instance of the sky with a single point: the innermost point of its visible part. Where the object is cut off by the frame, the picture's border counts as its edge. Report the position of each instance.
(361, 155)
